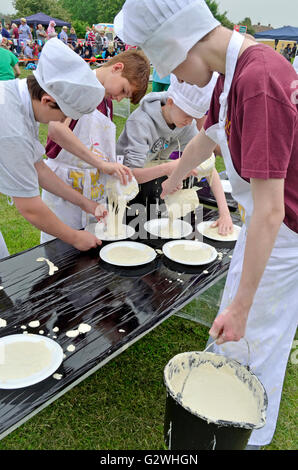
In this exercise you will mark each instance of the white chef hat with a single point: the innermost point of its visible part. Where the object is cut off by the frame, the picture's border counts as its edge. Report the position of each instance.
(68, 79)
(191, 99)
(165, 29)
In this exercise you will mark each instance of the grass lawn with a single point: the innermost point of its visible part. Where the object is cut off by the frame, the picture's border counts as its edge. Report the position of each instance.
(121, 406)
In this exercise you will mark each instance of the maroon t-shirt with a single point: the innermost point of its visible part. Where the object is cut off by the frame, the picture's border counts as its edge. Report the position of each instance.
(262, 121)
(105, 107)
(15, 32)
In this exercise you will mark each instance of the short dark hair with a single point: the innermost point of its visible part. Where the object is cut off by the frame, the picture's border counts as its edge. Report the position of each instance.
(36, 92)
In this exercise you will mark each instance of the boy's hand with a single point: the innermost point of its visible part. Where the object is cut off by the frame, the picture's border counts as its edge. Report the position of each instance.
(84, 240)
(230, 325)
(122, 172)
(101, 213)
(169, 188)
(98, 210)
(224, 224)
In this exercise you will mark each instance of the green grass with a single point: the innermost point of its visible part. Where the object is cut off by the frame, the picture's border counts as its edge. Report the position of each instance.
(121, 406)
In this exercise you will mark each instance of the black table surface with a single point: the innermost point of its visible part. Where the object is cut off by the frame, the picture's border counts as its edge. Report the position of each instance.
(120, 304)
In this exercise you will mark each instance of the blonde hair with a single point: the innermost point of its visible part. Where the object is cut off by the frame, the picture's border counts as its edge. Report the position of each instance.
(136, 70)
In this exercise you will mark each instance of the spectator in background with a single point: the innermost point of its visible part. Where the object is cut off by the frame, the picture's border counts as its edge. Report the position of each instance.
(8, 28)
(105, 41)
(51, 35)
(87, 54)
(51, 29)
(287, 52)
(119, 45)
(9, 69)
(24, 32)
(72, 38)
(91, 41)
(4, 33)
(79, 49)
(41, 35)
(15, 31)
(35, 50)
(7, 44)
(160, 84)
(98, 42)
(4, 43)
(15, 37)
(28, 50)
(63, 35)
(87, 32)
(109, 52)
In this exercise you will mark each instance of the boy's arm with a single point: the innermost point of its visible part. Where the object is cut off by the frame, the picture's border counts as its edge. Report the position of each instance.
(63, 136)
(224, 222)
(17, 71)
(39, 215)
(197, 150)
(143, 175)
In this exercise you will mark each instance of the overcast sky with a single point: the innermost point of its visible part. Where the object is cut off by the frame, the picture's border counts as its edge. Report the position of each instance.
(276, 12)
(6, 6)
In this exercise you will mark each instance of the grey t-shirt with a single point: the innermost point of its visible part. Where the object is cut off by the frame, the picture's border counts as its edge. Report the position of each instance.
(19, 149)
(147, 136)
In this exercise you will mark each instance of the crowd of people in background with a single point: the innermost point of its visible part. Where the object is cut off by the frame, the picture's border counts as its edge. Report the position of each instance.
(26, 43)
(288, 51)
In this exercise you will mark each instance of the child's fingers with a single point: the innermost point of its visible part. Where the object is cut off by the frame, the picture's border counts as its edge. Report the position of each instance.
(120, 176)
(129, 173)
(100, 212)
(123, 176)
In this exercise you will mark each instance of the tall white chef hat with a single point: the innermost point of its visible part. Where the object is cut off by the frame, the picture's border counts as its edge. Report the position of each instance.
(68, 79)
(165, 29)
(191, 99)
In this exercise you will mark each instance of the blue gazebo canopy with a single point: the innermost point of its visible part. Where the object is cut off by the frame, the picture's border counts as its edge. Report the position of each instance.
(42, 18)
(287, 33)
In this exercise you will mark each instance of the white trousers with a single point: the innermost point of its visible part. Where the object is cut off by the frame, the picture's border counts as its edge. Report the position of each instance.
(272, 322)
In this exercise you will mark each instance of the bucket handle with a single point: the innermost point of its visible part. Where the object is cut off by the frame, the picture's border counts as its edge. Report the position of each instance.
(248, 350)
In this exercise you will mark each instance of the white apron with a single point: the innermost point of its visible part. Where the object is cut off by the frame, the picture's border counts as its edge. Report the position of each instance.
(272, 319)
(3, 248)
(98, 133)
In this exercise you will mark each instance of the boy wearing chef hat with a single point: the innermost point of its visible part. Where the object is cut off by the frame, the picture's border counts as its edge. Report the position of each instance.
(82, 153)
(163, 122)
(255, 90)
(62, 85)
